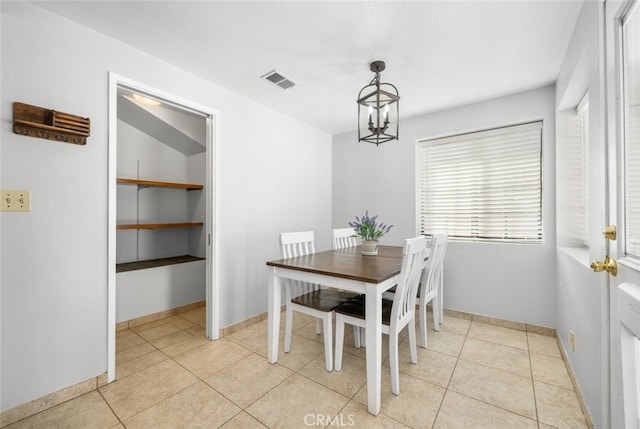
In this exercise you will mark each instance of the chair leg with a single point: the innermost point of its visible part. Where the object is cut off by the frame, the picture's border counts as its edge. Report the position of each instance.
(339, 341)
(423, 324)
(288, 322)
(436, 312)
(356, 336)
(441, 296)
(412, 342)
(318, 327)
(393, 363)
(328, 342)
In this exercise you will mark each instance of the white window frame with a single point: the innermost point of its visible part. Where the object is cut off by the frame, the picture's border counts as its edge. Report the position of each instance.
(630, 132)
(454, 153)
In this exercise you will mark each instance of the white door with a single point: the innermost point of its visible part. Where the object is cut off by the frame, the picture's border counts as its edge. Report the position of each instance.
(623, 141)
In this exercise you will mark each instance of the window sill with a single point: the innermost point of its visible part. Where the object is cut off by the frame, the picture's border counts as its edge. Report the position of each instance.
(580, 254)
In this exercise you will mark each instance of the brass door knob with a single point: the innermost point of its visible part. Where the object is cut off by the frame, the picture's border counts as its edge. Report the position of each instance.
(608, 265)
(609, 232)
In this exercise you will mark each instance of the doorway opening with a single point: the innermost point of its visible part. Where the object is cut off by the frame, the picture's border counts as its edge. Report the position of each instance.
(162, 208)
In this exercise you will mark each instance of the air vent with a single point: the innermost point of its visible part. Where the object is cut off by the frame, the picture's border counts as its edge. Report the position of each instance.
(278, 79)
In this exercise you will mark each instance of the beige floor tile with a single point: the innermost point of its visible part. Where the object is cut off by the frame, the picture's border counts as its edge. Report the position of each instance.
(140, 363)
(432, 366)
(308, 330)
(243, 421)
(291, 402)
(355, 415)
(123, 333)
(198, 406)
(197, 316)
(170, 339)
(197, 331)
(254, 337)
(133, 353)
(417, 404)
(499, 335)
(349, 346)
(139, 391)
(461, 412)
(248, 379)
(189, 343)
(88, 410)
(543, 344)
(206, 360)
(159, 331)
(450, 325)
(181, 322)
(444, 342)
(503, 389)
(299, 320)
(144, 326)
(302, 352)
(128, 341)
(550, 370)
(492, 381)
(497, 356)
(558, 407)
(347, 381)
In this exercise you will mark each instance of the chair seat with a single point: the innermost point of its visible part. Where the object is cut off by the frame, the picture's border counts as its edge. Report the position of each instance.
(324, 299)
(356, 308)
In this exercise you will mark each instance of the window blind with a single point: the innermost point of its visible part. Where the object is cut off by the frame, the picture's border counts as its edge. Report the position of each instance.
(484, 185)
(631, 82)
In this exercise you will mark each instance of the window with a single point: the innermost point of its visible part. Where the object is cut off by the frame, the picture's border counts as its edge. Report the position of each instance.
(484, 185)
(631, 130)
(572, 149)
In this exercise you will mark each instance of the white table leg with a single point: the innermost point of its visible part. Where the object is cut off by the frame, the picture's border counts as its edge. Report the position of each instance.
(274, 316)
(373, 323)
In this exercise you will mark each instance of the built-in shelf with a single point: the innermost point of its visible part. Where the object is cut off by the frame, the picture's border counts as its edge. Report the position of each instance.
(155, 183)
(159, 225)
(153, 263)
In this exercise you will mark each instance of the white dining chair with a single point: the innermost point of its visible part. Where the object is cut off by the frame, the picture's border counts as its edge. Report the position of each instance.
(308, 298)
(343, 238)
(441, 282)
(396, 314)
(430, 285)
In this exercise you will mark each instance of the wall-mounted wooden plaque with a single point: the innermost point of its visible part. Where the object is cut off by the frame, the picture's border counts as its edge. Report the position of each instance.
(49, 124)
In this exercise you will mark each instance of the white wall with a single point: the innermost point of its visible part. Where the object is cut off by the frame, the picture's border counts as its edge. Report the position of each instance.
(275, 175)
(508, 281)
(581, 294)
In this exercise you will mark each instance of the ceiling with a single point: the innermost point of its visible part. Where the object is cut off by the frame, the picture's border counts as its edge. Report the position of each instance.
(438, 54)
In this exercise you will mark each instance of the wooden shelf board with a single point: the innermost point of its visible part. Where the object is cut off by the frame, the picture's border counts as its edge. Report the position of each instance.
(159, 225)
(154, 263)
(156, 183)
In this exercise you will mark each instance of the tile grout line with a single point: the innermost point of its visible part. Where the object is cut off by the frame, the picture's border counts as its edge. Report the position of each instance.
(466, 335)
(533, 384)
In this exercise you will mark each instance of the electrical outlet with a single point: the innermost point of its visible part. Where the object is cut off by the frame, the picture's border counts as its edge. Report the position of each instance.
(572, 340)
(15, 201)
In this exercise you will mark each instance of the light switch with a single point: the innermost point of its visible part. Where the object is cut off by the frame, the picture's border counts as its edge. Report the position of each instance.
(15, 201)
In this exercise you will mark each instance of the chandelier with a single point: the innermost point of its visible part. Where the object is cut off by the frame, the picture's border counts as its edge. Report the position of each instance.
(377, 108)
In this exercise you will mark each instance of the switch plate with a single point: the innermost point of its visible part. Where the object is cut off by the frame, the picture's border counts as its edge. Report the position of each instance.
(15, 201)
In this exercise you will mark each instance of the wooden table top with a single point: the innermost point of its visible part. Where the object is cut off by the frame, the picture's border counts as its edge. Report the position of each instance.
(348, 264)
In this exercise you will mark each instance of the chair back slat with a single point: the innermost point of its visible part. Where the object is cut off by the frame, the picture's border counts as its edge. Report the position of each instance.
(297, 243)
(433, 270)
(404, 301)
(343, 238)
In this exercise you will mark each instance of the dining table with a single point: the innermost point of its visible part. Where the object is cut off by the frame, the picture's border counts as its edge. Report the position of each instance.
(347, 269)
